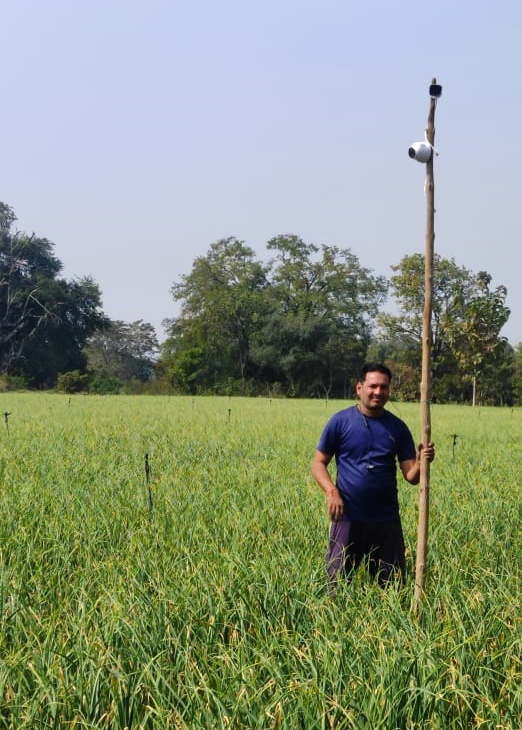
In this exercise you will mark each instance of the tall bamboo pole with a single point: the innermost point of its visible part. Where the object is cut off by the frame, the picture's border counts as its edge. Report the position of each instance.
(425, 387)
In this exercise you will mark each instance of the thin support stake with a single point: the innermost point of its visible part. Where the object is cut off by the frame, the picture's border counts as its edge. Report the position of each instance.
(147, 481)
(6, 421)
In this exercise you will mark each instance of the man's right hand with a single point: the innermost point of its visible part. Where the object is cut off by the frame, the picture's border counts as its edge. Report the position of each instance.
(335, 504)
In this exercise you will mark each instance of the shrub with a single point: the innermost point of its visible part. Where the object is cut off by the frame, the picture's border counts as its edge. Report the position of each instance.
(12, 382)
(72, 382)
(105, 385)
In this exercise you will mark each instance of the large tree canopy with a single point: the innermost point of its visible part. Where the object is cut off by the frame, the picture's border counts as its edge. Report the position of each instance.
(322, 304)
(44, 320)
(467, 320)
(221, 301)
(126, 351)
(475, 339)
(304, 320)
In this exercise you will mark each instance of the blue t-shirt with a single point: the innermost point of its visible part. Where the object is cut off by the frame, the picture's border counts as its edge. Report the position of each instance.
(366, 451)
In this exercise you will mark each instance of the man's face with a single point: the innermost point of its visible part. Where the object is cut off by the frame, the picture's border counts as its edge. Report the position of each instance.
(373, 393)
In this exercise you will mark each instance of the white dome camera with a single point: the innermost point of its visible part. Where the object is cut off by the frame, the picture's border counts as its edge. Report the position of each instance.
(421, 151)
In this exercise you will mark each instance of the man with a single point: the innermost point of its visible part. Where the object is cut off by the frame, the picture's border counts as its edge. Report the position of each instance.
(367, 441)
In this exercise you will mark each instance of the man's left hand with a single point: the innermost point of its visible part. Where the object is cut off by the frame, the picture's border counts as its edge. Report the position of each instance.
(427, 451)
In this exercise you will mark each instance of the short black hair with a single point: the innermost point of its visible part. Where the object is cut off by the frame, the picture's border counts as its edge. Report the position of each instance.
(374, 367)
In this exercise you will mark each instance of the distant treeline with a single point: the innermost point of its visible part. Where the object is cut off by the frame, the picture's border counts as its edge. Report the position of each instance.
(299, 325)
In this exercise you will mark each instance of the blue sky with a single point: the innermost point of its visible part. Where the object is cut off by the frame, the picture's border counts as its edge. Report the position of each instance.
(135, 133)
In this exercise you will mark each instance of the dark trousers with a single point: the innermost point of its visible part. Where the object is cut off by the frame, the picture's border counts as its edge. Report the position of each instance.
(381, 544)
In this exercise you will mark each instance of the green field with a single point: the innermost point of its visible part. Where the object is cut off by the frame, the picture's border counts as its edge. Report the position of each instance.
(209, 609)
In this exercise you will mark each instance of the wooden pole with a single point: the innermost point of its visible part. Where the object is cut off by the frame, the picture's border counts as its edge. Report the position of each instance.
(425, 387)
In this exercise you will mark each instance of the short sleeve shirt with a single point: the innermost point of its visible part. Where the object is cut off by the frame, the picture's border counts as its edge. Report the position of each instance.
(366, 451)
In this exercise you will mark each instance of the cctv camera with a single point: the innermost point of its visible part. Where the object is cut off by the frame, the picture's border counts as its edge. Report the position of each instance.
(421, 151)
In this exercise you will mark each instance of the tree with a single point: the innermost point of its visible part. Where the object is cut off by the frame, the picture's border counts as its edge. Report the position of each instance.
(517, 377)
(44, 320)
(222, 299)
(322, 307)
(27, 270)
(452, 286)
(497, 382)
(58, 345)
(465, 314)
(475, 339)
(7, 218)
(126, 351)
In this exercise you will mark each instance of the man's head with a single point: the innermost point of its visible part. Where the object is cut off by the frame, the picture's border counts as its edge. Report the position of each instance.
(373, 388)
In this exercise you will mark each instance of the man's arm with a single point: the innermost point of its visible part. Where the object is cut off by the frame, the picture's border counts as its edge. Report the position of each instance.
(322, 476)
(411, 467)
